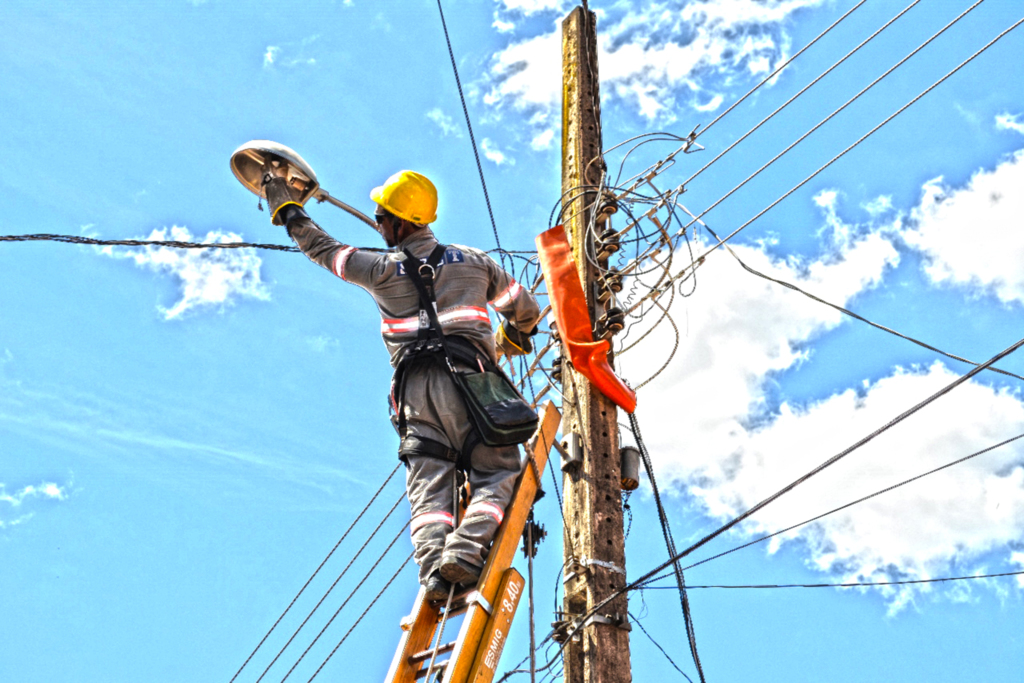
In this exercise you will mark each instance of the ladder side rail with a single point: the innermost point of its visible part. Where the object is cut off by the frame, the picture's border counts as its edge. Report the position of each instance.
(503, 550)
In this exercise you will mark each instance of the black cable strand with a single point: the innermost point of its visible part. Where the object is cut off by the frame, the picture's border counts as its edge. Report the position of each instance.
(310, 579)
(472, 138)
(670, 543)
(850, 313)
(328, 592)
(646, 578)
(835, 458)
(859, 140)
(651, 638)
(365, 611)
(862, 584)
(350, 596)
(852, 503)
(772, 75)
(798, 94)
(78, 239)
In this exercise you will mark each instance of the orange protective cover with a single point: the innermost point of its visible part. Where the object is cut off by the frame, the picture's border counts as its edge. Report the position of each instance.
(565, 292)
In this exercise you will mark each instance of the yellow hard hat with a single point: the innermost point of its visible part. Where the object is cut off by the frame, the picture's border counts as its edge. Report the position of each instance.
(409, 195)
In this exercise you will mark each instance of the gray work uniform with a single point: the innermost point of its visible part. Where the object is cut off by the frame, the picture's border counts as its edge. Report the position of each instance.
(466, 281)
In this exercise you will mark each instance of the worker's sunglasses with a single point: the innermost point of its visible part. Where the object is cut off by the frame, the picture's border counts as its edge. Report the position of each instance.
(379, 217)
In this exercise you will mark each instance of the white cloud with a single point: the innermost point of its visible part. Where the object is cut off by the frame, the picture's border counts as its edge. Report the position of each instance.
(270, 55)
(492, 153)
(528, 7)
(969, 235)
(322, 343)
(543, 140)
(649, 54)
(1018, 559)
(739, 448)
(46, 490)
(711, 105)
(878, 206)
(1010, 122)
(207, 276)
(273, 56)
(444, 122)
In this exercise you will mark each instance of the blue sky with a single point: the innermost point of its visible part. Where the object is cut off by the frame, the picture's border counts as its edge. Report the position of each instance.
(184, 436)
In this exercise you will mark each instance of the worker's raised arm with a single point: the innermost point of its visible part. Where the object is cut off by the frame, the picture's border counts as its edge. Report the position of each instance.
(350, 264)
(519, 308)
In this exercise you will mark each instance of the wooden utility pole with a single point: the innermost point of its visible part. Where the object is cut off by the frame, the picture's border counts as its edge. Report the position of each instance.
(593, 537)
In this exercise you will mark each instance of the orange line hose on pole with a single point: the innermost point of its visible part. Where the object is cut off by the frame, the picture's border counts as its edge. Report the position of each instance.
(565, 292)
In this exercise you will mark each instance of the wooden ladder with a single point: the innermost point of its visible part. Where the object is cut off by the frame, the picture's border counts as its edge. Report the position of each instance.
(488, 609)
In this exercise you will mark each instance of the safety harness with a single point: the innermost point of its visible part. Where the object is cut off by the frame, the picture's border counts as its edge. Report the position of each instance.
(432, 346)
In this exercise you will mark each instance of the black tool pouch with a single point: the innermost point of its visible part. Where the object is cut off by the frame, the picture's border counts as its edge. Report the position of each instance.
(500, 414)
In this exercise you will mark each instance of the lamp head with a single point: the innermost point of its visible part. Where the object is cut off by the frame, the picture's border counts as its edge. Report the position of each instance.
(248, 160)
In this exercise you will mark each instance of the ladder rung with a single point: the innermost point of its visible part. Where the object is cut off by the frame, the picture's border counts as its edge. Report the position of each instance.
(438, 669)
(424, 655)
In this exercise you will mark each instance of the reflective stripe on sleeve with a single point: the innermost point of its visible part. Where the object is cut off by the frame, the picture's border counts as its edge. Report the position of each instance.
(485, 508)
(510, 293)
(340, 259)
(420, 521)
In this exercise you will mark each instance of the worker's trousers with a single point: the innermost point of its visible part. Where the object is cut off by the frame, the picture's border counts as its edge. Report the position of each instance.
(434, 410)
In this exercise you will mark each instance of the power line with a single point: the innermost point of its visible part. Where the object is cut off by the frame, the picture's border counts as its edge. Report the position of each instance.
(780, 68)
(328, 592)
(852, 503)
(801, 92)
(365, 611)
(670, 543)
(796, 187)
(861, 584)
(660, 648)
(848, 312)
(310, 579)
(78, 239)
(472, 138)
(347, 599)
(840, 109)
(789, 487)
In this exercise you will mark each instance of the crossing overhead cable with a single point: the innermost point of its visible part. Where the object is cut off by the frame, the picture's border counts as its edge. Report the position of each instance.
(330, 621)
(782, 66)
(78, 239)
(864, 137)
(817, 470)
(361, 616)
(328, 591)
(847, 311)
(317, 571)
(798, 94)
(859, 584)
(840, 109)
(634, 620)
(670, 543)
(852, 503)
(472, 138)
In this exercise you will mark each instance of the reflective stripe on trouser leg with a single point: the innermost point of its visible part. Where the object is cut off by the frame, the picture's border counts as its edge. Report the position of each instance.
(429, 488)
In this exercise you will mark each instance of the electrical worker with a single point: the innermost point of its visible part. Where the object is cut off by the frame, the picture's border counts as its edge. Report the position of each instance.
(437, 436)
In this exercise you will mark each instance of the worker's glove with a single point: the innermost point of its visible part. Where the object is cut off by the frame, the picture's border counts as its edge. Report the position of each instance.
(280, 197)
(512, 342)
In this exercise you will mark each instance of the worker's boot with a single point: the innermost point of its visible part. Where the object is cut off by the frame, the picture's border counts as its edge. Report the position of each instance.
(458, 570)
(437, 587)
